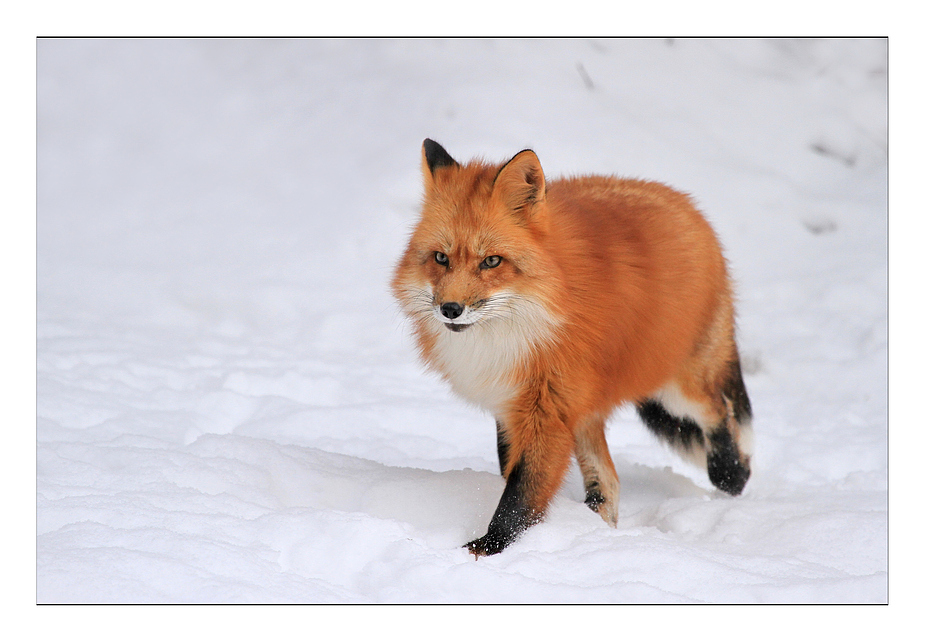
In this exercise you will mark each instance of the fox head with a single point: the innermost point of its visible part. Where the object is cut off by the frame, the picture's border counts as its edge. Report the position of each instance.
(477, 256)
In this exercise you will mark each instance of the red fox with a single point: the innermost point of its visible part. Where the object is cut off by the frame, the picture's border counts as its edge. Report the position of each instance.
(550, 304)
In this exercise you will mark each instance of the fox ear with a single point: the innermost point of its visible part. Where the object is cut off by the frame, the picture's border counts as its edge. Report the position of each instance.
(434, 156)
(520, 183)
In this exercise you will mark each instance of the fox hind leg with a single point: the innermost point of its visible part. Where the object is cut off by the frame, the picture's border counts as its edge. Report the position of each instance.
(727, 467)
(713, 430)
(728, 460)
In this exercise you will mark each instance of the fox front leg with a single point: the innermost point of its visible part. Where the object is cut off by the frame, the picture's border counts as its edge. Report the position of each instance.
(512, 517)
(503, 446)
(535, 450)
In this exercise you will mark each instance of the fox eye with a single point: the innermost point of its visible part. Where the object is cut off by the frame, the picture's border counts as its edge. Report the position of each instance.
(441, 258)
(491, 262)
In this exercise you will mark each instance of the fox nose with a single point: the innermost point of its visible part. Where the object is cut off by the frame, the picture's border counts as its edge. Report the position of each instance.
(451, 310)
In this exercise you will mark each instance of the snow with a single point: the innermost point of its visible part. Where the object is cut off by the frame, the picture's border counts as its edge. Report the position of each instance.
(229, 408)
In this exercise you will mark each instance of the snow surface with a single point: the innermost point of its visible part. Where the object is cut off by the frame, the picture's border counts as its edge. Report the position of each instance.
(229, 408)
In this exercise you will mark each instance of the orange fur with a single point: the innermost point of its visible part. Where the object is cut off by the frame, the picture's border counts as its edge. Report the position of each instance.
(611, 290)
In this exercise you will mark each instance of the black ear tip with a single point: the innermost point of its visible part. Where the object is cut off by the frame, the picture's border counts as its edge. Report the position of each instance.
(436, 156)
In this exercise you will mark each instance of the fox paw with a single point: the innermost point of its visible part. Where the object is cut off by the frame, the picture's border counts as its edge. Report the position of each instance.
(727, 468)
(600, 504)
(727, 474)
(486, 545)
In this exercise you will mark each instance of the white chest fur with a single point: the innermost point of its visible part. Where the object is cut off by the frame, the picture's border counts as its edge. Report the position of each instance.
(479, 362)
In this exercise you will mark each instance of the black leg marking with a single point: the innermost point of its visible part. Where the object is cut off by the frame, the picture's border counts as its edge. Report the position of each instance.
(725, 467)
(680, 433)
(593, 496)
(503, 447)
(511, 518)
(734, 391)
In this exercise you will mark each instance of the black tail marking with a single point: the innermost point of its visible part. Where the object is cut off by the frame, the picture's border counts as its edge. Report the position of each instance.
(678, 432)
